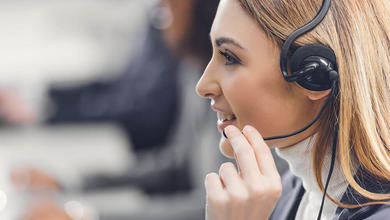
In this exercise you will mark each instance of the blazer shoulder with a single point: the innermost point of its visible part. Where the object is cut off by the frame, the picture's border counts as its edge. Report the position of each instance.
(288, 203)
(372, 212)
(290, 181)
(383, 212)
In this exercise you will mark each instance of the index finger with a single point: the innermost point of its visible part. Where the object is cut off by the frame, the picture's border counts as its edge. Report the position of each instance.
(262, 151)
(244, 153)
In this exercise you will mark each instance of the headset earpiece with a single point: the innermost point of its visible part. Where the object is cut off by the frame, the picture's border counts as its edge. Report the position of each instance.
(314, 67)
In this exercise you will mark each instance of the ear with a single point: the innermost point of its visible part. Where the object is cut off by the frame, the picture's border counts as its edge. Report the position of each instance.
(316, 95)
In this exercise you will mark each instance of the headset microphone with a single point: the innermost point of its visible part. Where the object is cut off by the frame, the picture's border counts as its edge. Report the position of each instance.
(314, 67)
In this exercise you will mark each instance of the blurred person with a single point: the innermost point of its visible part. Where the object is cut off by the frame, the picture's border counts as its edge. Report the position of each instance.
(146, 98)
(155, 101)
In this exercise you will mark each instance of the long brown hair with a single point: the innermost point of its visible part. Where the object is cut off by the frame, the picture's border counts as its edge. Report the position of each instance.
(359, 33)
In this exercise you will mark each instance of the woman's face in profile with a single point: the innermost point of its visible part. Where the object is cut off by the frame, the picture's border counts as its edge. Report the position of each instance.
(244, 82)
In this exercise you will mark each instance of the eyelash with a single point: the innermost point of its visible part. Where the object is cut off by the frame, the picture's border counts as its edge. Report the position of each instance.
(230, 59)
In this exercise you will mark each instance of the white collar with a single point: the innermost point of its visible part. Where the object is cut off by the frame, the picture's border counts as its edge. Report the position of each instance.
(299, 158)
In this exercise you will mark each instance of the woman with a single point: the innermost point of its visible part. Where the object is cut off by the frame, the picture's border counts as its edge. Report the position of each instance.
(246, 87)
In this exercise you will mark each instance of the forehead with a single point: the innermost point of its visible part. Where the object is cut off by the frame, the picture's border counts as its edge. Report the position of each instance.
(232, 21)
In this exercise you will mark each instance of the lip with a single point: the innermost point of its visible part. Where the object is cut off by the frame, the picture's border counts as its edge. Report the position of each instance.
(222, 125)
(217, 109)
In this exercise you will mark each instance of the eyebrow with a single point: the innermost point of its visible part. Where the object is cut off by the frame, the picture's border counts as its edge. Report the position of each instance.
(225, 40)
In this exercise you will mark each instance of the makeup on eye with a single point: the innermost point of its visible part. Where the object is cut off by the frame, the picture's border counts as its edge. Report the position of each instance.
(231, 59)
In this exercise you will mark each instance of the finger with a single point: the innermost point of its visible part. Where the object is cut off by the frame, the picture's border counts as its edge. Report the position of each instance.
(214, 188)
(263, 153)
(244, 153)
(236, 188)
(217, 197)
(232, 181)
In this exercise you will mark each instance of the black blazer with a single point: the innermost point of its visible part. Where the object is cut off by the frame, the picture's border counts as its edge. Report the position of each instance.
(293, 190)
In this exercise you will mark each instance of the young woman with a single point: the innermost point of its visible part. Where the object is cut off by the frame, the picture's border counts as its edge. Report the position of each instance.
(254, 100)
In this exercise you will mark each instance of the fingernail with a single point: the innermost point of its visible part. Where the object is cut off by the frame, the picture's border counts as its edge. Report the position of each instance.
(228, 129)
(248, 128)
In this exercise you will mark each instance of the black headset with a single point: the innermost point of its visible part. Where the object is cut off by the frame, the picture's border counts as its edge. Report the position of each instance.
(314, 67)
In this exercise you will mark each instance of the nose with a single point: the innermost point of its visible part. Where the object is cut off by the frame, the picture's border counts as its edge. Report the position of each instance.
(208, 85)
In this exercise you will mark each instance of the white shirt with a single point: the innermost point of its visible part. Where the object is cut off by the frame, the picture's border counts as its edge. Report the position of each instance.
(299, 158)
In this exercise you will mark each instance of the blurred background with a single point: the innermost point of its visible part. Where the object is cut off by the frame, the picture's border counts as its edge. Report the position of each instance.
(98, 113)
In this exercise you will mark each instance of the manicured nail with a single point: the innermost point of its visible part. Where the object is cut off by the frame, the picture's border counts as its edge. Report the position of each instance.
(228, 129)
(248, 128)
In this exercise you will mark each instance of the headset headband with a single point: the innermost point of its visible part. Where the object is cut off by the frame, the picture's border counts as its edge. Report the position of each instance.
(299, 32)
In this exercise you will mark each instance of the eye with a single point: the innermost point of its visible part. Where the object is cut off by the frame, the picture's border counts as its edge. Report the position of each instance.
(230, 58)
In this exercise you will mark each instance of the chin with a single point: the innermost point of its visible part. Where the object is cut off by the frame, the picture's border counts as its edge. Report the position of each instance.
(226, 148)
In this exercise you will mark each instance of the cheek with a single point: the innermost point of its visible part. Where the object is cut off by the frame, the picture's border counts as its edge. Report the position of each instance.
(248, 100)
(262, 103)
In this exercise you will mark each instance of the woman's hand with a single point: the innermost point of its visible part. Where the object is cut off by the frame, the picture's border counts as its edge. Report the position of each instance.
(250, 193)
